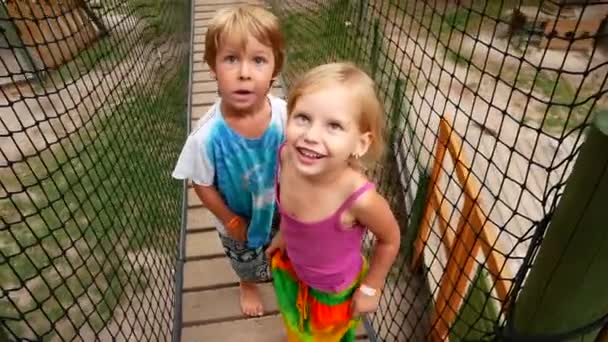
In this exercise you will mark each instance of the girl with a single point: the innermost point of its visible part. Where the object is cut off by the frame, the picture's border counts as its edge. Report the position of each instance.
(322, 281)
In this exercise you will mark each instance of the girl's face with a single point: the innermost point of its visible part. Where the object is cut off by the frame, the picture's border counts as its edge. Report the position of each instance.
(323, 131)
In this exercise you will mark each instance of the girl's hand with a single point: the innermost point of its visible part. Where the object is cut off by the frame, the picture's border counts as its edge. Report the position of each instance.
(363, 304)
(277, 244)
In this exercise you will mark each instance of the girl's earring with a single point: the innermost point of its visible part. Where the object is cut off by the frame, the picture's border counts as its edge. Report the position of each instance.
(356, 156)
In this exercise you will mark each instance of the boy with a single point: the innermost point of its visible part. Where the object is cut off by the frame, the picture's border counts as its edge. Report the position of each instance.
(231, 156)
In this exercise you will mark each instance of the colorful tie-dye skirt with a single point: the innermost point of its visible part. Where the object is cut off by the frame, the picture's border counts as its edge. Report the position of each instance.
(311, 315)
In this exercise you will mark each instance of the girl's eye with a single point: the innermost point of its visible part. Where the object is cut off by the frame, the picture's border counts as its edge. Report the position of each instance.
(259, 60)
(230, 59)
(301, 118)
(334, 126)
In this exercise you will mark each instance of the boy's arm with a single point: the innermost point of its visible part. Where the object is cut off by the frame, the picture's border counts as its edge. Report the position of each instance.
(373, 211)
(212, 199)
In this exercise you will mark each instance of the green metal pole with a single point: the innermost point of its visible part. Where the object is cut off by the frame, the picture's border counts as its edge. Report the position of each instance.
(397, 104)
(375, 53)
(3, 334)
(567, 287)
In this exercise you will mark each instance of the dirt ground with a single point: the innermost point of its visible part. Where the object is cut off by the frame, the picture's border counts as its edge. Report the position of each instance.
(517, 164)
(35, 118)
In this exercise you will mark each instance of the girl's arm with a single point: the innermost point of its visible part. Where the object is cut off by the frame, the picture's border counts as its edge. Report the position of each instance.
(373, 211)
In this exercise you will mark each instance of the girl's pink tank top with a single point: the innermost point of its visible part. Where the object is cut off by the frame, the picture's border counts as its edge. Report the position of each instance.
(325, 255)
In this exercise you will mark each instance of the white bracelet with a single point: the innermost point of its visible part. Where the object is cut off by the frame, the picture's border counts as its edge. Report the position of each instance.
(368, 291)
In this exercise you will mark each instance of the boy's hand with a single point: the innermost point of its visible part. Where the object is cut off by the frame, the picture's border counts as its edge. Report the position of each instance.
(362, 303)
(237, 228)
(277, 244)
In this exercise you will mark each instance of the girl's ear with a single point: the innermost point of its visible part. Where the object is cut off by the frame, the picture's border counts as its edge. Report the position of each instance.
(365, 141)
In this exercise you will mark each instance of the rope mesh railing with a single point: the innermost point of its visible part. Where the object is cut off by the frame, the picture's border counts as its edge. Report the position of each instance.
(93, 100)
(488, 104)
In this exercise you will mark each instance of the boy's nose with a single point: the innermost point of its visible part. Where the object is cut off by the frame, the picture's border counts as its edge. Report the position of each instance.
(244, 71)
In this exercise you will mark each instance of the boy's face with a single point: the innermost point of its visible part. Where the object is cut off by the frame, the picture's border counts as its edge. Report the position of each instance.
(243, 75)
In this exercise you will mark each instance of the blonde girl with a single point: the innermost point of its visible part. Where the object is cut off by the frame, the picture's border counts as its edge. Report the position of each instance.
(322, 281)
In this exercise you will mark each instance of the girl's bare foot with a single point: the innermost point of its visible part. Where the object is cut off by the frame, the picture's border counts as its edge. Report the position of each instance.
(251, 301)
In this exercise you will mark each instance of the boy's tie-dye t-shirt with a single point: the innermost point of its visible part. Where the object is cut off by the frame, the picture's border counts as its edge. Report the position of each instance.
(241, 169)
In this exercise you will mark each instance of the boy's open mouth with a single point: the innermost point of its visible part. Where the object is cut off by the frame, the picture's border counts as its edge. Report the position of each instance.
(243, 92)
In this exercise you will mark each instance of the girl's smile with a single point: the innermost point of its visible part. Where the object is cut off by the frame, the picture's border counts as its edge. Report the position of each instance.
(322, 131)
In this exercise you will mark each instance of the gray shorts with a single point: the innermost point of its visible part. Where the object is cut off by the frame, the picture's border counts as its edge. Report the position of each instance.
(250, 264)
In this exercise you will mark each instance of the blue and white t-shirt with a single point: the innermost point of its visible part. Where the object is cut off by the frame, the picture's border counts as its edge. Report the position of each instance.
(241, 169)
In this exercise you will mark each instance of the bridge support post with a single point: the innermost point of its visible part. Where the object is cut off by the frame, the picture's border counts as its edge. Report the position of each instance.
(565, 292)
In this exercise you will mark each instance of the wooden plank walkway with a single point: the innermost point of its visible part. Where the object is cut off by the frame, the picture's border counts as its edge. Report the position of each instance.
(210, 299)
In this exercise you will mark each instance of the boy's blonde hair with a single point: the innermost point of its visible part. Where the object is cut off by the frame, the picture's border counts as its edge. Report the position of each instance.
(239, 22)
(363, 89)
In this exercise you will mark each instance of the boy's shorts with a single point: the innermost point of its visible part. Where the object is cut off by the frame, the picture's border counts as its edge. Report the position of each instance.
(250, 265)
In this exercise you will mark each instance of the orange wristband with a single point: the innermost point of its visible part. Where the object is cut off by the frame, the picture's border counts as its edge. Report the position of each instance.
(233, 223)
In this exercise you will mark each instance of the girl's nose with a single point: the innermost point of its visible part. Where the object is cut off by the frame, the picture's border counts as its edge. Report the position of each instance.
(312, 134)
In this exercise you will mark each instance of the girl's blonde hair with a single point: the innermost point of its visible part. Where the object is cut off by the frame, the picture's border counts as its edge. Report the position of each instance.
(363, 89)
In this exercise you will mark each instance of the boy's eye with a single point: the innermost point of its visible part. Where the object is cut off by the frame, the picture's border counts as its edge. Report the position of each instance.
(259, 60)
(230, 59)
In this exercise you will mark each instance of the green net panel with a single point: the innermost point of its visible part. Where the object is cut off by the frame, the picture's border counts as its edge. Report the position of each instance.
(504, 91)
(93, 101)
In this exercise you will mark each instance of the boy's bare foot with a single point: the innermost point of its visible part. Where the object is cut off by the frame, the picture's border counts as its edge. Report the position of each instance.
(251, 301)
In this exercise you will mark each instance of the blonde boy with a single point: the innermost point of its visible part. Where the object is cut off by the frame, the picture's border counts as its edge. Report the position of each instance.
(231, 156)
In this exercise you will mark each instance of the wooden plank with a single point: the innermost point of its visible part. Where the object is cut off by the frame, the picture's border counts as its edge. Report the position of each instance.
(207, 87)
(204, 99)
(51, 31)
(199, 111)
(479, 223)
(221, 304)
(78, 38)
(198, 39)
(263, 329)
(473, 233)
(198, 47)
(425, 228)
(200, 66)
(573, 34)
(203, 245)
(201, 275)
(200, 30)
(457, 275)
(61, 30)
(198, 218)
(200, 13)
(193, 200)
(202, 76)
(198, 58)
(201, 22)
